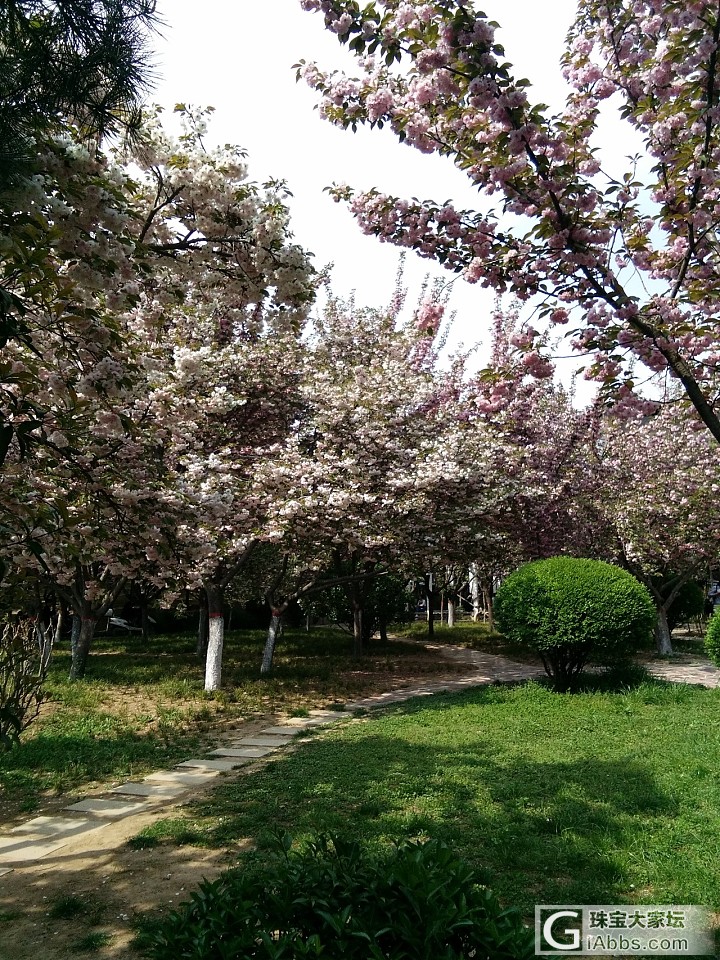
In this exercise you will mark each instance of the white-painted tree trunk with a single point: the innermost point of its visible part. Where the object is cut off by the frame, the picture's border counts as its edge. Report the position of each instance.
(450, 612)
(475, 592)
(430, 602)
(216, 636)
(58, 625)
(487, 592)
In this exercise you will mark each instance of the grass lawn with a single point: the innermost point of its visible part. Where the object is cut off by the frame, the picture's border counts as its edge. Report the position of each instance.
(474, 636)
(142, 708)
(465, 633)
(599, 797)
(468, 633)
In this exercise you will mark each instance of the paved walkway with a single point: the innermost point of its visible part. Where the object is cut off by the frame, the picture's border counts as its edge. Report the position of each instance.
(43, 836)
(685, 668)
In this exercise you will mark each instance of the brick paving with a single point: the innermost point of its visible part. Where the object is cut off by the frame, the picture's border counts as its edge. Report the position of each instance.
(41, 837)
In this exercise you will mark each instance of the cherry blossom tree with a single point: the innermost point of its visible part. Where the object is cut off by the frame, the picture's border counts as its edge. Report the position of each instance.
(363, 444)
(88, 511)
(637, 491)
(658, 495)
(628, 260)
(437, 475)
(372, 456)
(224, 307)
(72, 405)
(68, 266)
(195, 300)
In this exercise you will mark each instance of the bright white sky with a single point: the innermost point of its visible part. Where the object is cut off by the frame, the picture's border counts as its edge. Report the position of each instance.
(237, 56)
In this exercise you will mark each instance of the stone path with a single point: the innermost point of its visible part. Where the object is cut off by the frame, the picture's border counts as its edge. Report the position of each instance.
(43, 836)
(685, 668)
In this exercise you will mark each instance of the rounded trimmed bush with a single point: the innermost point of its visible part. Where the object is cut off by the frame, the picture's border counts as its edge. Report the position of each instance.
(572, 611)
(712, 638)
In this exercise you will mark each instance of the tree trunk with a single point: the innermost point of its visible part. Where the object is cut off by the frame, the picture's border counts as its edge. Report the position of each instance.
(474, 582)
(59, 624)
(274, 633)
(202, 635)
(75, 633)
(663, 642)
(383, 631)
(450, 612)
(144, 619)
(357, 629)
(81, 647)
(487, 591)
(216, 635)
(44, 636)
(662, 633)
(354, 590)
(430, 603)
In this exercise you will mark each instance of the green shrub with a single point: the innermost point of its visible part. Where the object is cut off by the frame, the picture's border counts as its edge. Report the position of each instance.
(574, 611)
(712, 638)
(334, 900)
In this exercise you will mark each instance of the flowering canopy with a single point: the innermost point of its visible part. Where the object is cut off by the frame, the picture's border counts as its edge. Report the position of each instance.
(637, 254)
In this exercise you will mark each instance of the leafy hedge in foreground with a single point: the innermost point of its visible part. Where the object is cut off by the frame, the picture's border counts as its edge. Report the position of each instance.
(712, 638)
(335, 900)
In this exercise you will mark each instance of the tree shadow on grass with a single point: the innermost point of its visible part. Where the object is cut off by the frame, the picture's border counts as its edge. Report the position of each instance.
(544, 831)
(65, 760)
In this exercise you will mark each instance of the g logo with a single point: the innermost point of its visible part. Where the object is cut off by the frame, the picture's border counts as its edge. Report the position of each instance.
(574, 935)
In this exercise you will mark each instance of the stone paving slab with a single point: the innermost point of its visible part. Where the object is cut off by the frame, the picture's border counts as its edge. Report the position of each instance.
(328, 714)
(195, 779)
(293, 724)
(262, 742)
(157, 791)
(58, 826)
(281, 731)
(300, 722)
(23, 850)
(297, 723)
(238, 753)
(253, 752)
(219, 765)
(108, 808)
(406, 693)
(4, 870)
